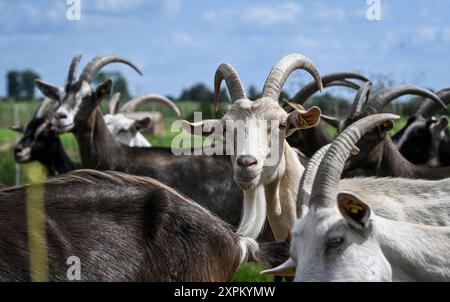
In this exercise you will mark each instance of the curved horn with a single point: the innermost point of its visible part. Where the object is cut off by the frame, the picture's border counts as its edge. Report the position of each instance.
(343, 83)
(132, 105)
(360, 99)
(72, 75)
(281, 71)
(384, 97)
(430, 108)
(325, 185)
(307, 180)
(229, 74)
(332, 79)
(97, 63)
(43, 107)
(114, 103)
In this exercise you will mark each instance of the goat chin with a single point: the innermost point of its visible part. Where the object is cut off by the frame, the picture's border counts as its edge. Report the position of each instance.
(254, 214)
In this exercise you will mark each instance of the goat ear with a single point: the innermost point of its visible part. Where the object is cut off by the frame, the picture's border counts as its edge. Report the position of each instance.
(143, 123)
(299, 119)
(385, 127)
(355, 211)
(103, 90)
(48, 90)
(204, 128)
(443, 123)
(17, 128)
(287, 268)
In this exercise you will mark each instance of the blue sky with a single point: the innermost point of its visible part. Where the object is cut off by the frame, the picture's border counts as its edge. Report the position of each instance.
(180, 42)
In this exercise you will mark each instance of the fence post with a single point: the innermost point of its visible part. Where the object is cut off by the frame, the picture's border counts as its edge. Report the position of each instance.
(17, 122)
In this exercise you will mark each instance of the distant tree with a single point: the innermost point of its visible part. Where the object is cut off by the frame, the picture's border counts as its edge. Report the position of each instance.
(198, 92)
(27, 85)
(332, 105)
(20, 84)
(224, 96)
(13, 79)
(253, 93)
(120, 83)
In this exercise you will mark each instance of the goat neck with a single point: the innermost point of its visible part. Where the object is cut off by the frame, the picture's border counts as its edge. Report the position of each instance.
(98, 148)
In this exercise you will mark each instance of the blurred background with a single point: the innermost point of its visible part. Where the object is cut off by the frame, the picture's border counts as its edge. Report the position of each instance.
(178, 44)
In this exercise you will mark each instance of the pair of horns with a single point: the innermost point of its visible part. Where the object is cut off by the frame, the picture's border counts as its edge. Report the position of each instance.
(133, 104)
(274, 82)
(329, 80)
(429, 108)
(94, 66)
(384, 97)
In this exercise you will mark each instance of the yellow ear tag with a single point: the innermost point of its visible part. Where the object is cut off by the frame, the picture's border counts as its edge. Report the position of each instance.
(354, 209)
(300, 106)
(388, 124)
(302, 123)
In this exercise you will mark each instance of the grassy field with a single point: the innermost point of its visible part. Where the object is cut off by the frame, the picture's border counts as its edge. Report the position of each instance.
(249, 272)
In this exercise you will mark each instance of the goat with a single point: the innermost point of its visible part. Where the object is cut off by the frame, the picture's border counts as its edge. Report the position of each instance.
(266, 168)
(342, 237)
(125, 124)
(41, 143)
(422, 138)
(378, 154)
(308, 141)
(205, 179)
(122, 228)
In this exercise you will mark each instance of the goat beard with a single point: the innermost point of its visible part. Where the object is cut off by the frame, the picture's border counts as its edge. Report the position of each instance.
(254, 212)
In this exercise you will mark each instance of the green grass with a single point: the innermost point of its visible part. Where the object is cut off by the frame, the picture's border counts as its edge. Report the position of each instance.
(251, 272)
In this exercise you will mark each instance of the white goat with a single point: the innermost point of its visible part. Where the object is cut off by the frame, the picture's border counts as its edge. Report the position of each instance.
(265, 167)
(126, 124)
(341, 236)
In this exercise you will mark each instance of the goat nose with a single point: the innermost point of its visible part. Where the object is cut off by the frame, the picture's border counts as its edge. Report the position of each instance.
(60, 115)
(17, 149)
(246, 161)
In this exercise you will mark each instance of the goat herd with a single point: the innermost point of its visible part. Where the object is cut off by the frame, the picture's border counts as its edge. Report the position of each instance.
(362, 207)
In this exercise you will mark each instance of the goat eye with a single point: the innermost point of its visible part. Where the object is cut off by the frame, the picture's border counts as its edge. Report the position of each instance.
(334, 242)
(282, 126)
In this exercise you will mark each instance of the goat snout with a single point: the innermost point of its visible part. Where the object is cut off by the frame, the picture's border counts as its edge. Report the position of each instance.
(22, 154)
(60, 115)
(246, 161)
(18, 149)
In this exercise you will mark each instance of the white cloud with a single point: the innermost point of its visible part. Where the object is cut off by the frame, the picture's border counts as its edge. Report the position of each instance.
(285, 13)
(261, 15)
(327, 13)
(427, 33)
(446, 34)
(305, 42)
(171, 7)
(433, 33)
(23, 15)
(181, 39)
(116, 6)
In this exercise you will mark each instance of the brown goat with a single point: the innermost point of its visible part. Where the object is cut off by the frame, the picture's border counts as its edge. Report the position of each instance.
(123, 228)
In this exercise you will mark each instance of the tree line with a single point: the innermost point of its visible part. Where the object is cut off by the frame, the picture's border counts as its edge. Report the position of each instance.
(20, 86)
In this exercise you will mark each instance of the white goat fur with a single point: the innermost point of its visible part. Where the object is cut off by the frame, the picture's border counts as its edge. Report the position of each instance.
(124, 131)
